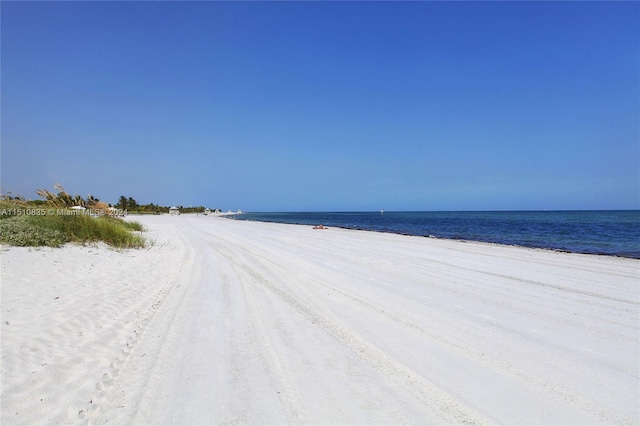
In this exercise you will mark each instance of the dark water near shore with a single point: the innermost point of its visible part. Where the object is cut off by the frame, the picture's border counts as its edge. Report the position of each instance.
(615, 233)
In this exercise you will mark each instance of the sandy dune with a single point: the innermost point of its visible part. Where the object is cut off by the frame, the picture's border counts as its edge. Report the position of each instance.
(227, 322)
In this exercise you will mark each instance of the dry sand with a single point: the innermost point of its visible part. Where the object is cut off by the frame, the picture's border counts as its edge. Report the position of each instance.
(227, 322)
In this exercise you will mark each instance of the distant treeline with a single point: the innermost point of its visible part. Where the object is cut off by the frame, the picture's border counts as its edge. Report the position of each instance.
(132, 206)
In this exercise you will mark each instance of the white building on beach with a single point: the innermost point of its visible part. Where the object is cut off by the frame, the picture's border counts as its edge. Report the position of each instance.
(174, 211)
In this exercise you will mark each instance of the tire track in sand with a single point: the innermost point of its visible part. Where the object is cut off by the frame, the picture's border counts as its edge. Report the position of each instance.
(443, 406)
(293, 406)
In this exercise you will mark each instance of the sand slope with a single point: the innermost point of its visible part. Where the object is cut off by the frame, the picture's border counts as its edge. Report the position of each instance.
(237, 322)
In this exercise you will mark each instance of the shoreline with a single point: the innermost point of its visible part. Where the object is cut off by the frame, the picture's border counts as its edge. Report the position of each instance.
(461, 239)
(465, 240)
(255, 322)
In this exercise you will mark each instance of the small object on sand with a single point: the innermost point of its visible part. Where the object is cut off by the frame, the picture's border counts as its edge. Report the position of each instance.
(320, 227)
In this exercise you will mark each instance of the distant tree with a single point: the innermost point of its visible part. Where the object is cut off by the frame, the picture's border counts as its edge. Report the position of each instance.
(122, 202)
(132, 204)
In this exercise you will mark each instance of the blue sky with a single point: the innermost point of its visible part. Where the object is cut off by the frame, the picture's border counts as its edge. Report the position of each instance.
(325, 106)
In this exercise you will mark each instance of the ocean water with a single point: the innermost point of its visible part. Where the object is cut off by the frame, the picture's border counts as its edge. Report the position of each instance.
(615, 233)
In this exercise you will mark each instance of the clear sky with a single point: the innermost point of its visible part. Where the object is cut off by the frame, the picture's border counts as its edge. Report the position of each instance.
(325, 106)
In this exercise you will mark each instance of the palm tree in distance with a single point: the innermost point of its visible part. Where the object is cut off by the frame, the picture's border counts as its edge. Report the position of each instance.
(122, 202)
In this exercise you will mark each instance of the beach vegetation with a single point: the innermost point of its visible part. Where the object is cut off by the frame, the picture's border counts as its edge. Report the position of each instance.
(62, 218)
(19, 231)
(58, 228)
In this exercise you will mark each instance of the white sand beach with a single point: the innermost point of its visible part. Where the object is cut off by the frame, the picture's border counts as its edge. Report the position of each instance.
(234, 322)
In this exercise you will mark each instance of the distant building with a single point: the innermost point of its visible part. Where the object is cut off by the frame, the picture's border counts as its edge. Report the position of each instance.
(174, 211)
(207, 211)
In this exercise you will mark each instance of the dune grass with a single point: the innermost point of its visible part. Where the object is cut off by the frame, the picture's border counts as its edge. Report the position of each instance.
(56, 229)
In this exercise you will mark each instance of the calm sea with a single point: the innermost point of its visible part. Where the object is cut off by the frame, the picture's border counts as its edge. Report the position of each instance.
(615, 233)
